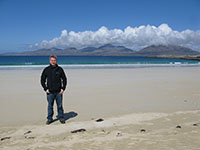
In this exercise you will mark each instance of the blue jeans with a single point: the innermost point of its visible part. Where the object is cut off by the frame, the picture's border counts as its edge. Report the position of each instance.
(50, 98)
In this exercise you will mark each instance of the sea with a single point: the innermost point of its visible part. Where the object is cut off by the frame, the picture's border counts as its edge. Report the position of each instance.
(16, 62)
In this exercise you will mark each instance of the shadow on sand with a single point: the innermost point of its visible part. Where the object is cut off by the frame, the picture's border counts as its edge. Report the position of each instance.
(67, 116)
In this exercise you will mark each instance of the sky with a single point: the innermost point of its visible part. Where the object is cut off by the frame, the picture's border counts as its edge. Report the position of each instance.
(34, 24)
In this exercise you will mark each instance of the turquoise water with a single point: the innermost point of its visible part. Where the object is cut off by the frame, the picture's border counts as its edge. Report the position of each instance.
(96, 61)
(38, 60)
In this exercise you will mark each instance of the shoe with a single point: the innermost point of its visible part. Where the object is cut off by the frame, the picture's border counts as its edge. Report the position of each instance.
(49, 122)
(62, 120)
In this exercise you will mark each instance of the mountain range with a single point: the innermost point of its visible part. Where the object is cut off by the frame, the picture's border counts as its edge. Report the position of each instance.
(111, 50)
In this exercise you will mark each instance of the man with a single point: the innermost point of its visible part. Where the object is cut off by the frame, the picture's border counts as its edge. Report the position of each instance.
(54, 81)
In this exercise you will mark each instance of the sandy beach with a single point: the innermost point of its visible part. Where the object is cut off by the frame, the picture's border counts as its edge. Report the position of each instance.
(141, 108)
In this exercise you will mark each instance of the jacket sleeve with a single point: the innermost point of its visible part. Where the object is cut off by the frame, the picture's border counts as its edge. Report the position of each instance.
(43, 80)
(64, 79)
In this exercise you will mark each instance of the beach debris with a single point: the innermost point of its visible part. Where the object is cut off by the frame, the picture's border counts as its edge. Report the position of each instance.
(30, 137)
(5, 138)
(78, 130)
(178, 126)
(27, 132)
(185, 100)
(142, 130)
(108, 132)
(195, 124)
(99, 120)
(119, 134)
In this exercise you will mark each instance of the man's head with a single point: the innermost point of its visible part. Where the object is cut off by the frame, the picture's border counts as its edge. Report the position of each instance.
(53, 60)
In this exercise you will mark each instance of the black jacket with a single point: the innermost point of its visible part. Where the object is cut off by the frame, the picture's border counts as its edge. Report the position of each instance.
(53, 78)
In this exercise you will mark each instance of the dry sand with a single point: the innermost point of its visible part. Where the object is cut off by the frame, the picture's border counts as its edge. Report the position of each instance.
(154, 99)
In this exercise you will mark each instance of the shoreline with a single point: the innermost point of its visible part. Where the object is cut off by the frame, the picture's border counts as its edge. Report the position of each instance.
(101, 66)
(197, 58)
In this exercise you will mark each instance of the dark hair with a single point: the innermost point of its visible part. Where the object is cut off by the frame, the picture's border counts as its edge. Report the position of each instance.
(53, 56)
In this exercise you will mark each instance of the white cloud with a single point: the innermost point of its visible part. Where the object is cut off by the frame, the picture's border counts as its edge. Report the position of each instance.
(135, 38)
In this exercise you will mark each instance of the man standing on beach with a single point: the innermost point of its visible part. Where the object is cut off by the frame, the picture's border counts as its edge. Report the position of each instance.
(54, 81)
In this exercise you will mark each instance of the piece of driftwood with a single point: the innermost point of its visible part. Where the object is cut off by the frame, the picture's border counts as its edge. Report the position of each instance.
(27, 132)
(78, 130)
(5, 138)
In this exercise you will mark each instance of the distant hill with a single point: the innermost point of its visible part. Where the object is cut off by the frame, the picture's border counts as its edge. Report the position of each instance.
(111, 50)
(45, 52)
(105, 50)
(166, 50)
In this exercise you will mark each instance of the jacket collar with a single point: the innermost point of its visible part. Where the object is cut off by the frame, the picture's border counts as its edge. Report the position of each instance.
(56, 65)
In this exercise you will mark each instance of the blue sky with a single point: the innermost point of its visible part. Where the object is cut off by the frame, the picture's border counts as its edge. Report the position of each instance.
(26, 22)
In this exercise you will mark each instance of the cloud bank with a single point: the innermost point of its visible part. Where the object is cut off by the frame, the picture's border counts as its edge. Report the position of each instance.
(134, 38)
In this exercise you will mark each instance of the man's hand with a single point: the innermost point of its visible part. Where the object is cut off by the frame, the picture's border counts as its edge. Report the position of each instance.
(47, 91)
(61, 91)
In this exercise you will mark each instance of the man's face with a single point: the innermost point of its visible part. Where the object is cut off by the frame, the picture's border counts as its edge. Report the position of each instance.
(53, 61)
